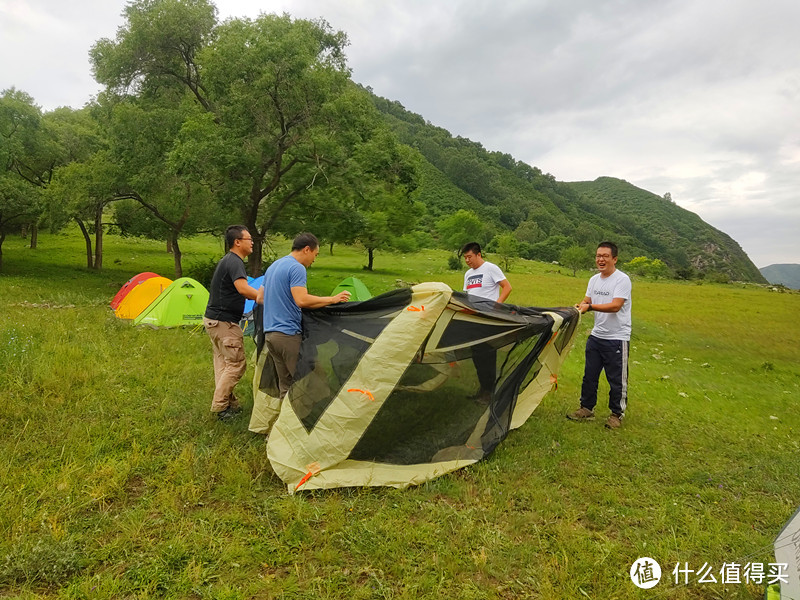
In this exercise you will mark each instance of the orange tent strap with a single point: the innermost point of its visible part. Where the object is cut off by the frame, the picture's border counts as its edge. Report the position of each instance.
(366, 392)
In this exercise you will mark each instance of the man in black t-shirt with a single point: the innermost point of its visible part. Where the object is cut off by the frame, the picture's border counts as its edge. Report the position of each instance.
(227, 294)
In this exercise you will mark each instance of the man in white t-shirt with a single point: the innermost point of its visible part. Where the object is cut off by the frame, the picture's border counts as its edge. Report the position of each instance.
(486, 280)
(609, 296)
(483, 279)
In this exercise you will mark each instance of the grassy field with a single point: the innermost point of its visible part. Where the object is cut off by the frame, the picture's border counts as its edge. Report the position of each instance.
(115, 482)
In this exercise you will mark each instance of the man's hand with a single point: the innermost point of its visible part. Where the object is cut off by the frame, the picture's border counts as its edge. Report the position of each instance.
(341, 297)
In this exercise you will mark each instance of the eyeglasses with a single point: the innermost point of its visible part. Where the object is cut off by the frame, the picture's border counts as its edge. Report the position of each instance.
(244, 239)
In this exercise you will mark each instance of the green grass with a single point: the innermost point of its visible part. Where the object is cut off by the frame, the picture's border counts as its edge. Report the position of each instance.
(116, 483)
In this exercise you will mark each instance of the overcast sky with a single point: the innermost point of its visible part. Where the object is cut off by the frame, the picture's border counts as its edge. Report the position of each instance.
(697, 98)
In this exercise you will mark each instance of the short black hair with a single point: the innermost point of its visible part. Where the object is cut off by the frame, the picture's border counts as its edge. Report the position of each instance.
(473, 247)
(305, 239)
(233, 233)
(611, 246)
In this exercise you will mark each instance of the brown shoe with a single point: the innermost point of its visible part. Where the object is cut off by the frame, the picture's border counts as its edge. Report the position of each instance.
(582, 414)
(614, 421)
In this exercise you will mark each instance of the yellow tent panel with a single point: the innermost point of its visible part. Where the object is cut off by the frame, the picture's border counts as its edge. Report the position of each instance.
(141, 297)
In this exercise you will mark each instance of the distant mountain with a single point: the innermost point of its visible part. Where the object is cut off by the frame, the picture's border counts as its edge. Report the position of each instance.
(788, 275)
(547, 216)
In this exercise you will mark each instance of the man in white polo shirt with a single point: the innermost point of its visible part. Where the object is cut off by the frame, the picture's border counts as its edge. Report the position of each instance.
(486, 280)
(609, 296)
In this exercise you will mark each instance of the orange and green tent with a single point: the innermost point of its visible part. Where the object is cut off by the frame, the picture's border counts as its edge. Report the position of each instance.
(182, 303)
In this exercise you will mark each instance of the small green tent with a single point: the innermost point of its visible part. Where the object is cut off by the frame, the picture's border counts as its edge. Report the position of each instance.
(358, 291)
(182, 303)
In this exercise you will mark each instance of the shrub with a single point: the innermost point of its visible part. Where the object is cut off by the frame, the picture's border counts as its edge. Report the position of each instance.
(202, 271)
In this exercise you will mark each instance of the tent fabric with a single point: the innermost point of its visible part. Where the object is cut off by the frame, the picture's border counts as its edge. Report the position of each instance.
(246, 322)
(141, 296)
(255, 283)
(129, 285)
(383, 388)
(787, 551)
(183, 302)
(358, 291)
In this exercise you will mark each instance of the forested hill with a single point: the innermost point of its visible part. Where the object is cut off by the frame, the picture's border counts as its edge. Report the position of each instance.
(548, 216)
(672, 233)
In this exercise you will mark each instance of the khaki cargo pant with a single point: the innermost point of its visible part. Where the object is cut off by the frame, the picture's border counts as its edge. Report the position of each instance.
(229, 361)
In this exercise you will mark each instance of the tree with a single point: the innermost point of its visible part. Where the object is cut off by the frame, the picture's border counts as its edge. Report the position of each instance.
(638, 265)
(154, 144)
(26, 161)
(459, 228)
(80, 189)
(374, 205)
(528, 232)
(507, 246)
(277, 115)
(575, 257)
(550, 249)
(657, 269)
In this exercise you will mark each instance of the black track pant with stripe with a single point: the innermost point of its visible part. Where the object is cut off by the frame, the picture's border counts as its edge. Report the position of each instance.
(611, 355)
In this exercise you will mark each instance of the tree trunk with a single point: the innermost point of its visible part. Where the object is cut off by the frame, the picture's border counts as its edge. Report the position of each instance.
(23, 231)
(88, 241)
(176, 254)
(2, 239)
(371, 255)
(331, 250)
(98, 237)
(34, 236)
(169, 245)
(254, 260)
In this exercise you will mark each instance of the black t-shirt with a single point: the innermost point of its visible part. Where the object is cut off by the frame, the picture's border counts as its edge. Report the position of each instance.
(225, 303)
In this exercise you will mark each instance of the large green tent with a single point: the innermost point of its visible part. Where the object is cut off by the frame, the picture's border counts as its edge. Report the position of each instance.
(384, 390)
(182, 303)
(358, 291)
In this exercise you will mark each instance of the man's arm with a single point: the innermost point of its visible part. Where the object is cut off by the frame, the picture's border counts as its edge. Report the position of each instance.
(305, 300)
(611, 307)
(245, 290)
(505, 290)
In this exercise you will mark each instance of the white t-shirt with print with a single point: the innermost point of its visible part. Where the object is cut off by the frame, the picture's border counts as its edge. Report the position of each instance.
(484, 281)
(611, 326)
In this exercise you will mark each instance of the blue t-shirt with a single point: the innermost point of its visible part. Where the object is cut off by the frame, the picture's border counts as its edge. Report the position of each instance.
(281, 312)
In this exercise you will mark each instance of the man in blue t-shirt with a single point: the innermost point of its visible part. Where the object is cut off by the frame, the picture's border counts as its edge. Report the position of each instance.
(609, 296)
(284, 294)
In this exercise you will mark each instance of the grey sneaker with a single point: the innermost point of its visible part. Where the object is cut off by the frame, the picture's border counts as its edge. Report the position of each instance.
(582, 414)
(614, 421)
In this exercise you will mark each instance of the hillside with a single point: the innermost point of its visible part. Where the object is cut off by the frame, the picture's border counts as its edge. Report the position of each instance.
(676, 235)
(548, 216)
(788, 275)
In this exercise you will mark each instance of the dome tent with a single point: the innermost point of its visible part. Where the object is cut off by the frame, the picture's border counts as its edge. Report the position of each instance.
(141, 296)
(383, 388)
(128, 287)
(358, 291)
(182, 303)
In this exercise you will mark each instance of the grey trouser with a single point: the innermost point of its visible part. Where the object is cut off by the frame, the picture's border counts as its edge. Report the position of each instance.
(285, 350)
